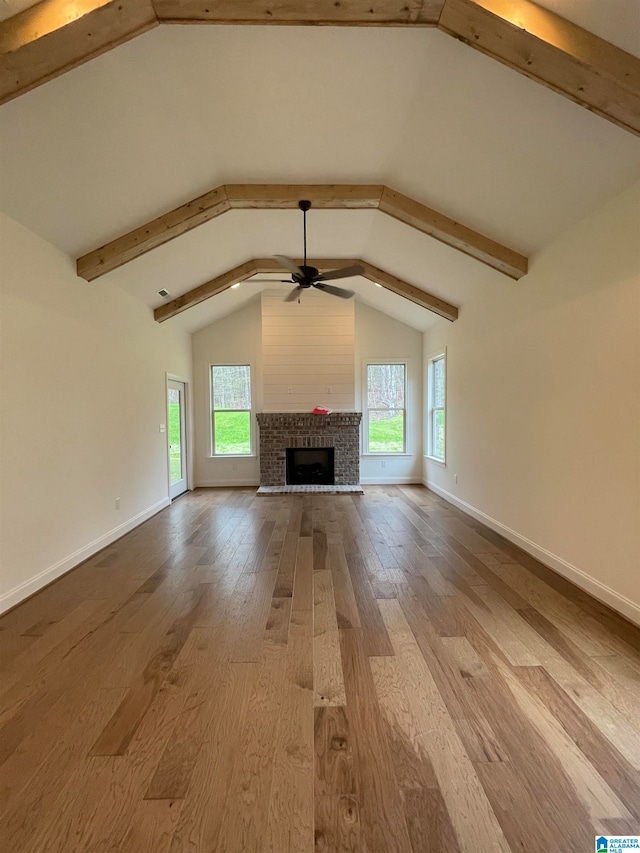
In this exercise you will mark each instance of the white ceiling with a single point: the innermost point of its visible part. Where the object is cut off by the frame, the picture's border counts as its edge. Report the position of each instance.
(12, 7)
(180, 110)
(617, 21)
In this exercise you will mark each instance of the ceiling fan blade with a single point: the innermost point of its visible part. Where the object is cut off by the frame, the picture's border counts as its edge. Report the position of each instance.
(270, 281)
(345, 272)
(342, 292)
(294, 294)
(290, 265)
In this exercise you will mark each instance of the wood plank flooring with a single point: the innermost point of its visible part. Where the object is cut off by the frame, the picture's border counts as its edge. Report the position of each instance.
(327, 673)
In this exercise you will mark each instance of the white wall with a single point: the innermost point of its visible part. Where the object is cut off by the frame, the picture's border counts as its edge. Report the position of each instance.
(307, 352)
(378, 337)
(543, 386)
(82, 378)
(238, 339)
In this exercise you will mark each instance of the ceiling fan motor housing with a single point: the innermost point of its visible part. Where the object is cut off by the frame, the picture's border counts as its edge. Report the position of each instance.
(306, 276)
(305, 280)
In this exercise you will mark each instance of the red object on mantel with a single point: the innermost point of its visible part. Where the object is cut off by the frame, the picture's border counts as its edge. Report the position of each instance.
(321, 410)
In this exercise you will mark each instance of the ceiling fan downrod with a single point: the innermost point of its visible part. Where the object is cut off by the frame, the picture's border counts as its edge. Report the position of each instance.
(304, 205)
(305, 276)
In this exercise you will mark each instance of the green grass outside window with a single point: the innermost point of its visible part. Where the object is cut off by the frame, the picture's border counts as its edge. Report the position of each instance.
(232, 433)
(387, 435)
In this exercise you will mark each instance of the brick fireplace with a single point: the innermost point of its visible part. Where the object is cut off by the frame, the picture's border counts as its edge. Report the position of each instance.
(280, 431)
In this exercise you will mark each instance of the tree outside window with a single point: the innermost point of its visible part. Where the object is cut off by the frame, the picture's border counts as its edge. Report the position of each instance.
(231, 409)
(436, 380)
(386, 414)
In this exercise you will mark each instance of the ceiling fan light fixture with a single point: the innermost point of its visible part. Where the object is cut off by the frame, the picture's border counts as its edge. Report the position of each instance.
(305, 276)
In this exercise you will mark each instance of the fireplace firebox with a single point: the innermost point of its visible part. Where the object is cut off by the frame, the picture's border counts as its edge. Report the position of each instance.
(339, 431)
(310, 466)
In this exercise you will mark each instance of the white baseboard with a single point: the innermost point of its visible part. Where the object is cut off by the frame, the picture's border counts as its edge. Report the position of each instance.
(364, 481)
(29, 587)
(211, 484)
(623, 605)
(389, 481)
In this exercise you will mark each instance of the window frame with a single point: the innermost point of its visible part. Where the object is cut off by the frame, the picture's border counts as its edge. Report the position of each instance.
(432, 358)
(212, 411)
(365, 408)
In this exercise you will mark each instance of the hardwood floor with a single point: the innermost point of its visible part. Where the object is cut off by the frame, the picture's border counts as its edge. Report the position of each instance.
(332, 673)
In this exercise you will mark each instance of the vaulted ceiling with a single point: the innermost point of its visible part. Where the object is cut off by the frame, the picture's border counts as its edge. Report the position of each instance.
(165, 117)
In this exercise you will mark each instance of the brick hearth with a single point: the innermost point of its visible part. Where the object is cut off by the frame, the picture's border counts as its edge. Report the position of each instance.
(279, 430)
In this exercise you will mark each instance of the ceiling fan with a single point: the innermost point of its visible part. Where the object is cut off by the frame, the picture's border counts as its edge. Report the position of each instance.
(306, 276)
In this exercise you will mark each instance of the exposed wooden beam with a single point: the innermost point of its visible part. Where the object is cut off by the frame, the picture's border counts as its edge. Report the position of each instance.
(358, 13)
(48, 39)
(155, 233)
(270, 265)
(410, 291)
(553, 51)
(452, 233)
(284, 196)
(208, 206)
(204, 291)
(55, 36)
(376, 275)
(287, 196)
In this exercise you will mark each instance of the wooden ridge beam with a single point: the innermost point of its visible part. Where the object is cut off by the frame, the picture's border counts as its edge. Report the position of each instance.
(270, 265)
(287, 196)
(552, 51)
(46, 40)
(350, 13)
(284, 196)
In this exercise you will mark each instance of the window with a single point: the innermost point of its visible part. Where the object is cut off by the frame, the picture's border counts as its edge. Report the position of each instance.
(436, 395)
(231, 409)
(385, 411)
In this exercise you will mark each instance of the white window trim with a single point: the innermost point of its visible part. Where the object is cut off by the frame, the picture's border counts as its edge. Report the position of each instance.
(189, 443)
(430, 359)
(365, 408)
(252, 411)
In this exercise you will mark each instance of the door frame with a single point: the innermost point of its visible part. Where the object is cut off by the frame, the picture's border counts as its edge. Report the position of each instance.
(188, 432)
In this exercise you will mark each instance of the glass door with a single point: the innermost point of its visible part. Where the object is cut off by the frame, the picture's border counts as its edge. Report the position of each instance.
(177, 437)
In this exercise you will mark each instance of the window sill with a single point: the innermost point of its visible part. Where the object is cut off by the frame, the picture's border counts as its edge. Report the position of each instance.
(385, 455)
(233, 456)
(441, 463)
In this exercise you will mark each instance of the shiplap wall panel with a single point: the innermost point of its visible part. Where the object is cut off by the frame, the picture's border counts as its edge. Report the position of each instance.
(303, 336)
(308, 388)
(311, 307)
(310, 349)
(308, 352)
(337, 371)
(329, 320)
(307, 402)
(336, 361)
